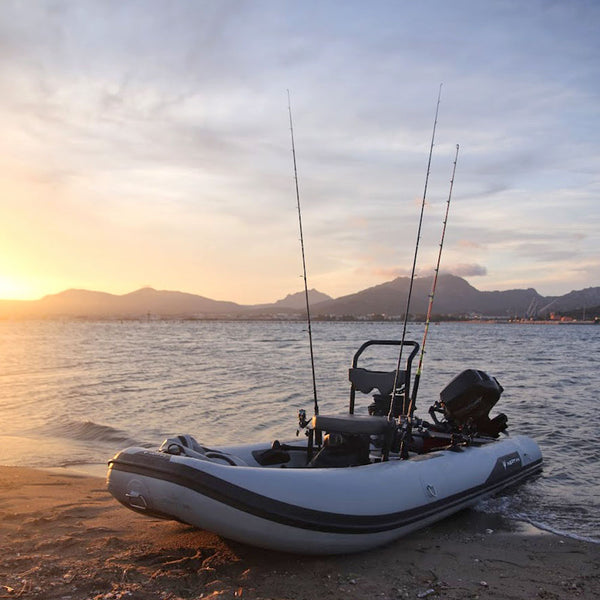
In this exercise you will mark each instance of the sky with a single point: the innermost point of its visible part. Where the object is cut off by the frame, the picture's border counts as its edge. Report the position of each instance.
(147, 143)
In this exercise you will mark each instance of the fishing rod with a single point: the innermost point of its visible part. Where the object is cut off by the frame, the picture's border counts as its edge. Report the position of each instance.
(414, 265)
(310, 342)
(413, 398)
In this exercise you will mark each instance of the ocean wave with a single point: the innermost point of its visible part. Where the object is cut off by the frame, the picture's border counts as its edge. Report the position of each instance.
(88, 431)
(510, 508)
(550, 529)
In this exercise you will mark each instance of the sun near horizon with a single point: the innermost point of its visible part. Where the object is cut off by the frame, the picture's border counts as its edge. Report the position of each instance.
(14, 289)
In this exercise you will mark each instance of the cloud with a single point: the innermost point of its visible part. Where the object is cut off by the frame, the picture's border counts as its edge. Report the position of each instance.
(466, 270)
(391, 273)
(468, 244)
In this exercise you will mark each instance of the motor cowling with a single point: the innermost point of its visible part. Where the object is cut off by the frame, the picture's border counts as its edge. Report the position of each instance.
(467, 401)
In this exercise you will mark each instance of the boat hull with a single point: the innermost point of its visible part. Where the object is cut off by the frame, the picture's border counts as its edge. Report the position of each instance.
(314, 510)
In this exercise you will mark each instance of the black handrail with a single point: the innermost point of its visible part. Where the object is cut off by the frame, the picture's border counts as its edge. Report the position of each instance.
(409, 360)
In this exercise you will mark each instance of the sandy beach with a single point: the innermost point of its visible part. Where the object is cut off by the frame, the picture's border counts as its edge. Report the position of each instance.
(63, 537)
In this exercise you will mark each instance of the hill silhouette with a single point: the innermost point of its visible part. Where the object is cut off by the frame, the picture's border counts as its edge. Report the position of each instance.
(454, 297)
(91, 304)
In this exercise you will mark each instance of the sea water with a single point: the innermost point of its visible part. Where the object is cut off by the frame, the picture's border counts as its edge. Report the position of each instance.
(73, 393)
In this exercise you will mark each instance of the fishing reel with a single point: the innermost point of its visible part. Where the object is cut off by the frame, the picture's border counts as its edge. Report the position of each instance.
(303, 422)
(408, 435)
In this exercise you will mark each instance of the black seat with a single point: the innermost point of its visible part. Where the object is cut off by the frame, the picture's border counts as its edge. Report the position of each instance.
(365, 381)
(350, 437)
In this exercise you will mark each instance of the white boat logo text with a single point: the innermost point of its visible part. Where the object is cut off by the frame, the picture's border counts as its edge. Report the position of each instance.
(510, 462)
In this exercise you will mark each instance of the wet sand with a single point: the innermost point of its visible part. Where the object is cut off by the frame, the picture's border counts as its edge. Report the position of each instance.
(63, 537)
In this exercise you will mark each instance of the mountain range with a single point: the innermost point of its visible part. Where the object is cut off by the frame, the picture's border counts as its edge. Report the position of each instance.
(454, 297)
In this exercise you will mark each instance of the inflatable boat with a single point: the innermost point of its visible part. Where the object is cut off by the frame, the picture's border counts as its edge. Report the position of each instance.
(352, 482)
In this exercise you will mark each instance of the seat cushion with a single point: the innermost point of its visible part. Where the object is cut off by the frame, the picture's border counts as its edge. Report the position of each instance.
(367, 424)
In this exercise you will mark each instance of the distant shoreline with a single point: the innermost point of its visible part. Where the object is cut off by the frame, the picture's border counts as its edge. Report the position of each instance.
(286, 319)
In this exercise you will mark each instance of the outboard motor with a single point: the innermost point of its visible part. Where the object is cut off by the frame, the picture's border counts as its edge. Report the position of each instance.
(466, 403)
